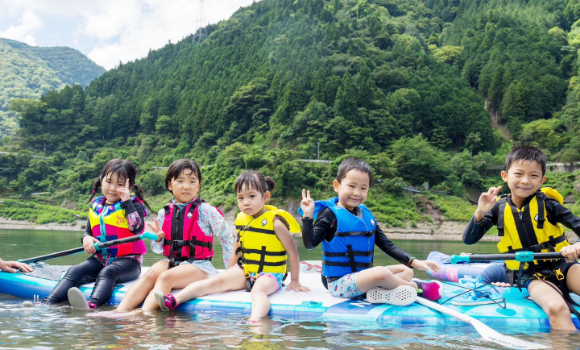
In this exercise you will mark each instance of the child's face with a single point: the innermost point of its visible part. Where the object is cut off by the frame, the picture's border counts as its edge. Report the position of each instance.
(523, 178)
(185, 187)
(109, 185)
(353, 189)
(251, 201)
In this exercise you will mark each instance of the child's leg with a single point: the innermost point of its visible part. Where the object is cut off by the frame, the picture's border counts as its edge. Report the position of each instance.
(119, 271)
(553, 304)
(178, 277)
(139, 291)
(85, 272)
(380, 276)
(402, 271)
(264, 286)
(231, 279)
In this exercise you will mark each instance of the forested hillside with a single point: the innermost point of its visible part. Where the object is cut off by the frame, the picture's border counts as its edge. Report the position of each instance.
(29, 72)
(432, 93)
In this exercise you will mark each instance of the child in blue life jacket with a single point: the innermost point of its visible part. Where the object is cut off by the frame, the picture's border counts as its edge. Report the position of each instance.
(114, 215)
(348, 233)
(185, 227)
(263, 247)
(530, 219)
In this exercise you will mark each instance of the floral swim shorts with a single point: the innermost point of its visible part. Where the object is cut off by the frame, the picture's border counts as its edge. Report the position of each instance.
(345, 287)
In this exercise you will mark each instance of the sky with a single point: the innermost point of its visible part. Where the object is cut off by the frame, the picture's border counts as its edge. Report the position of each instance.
(109, 31)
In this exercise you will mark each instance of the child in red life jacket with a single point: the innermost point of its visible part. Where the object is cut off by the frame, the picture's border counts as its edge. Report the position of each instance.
(114, 215)
(185, 227)
(263, 246)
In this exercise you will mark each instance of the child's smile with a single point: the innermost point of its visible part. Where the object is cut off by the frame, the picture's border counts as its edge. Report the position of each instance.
(524, 178)
(353, 189)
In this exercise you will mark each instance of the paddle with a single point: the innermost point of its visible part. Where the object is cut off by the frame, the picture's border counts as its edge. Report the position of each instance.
(486, 332)
(519, 256)
(98, 246)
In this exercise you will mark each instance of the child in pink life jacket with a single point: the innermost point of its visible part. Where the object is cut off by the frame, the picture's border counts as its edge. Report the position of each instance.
(185, 227)
(114, 215)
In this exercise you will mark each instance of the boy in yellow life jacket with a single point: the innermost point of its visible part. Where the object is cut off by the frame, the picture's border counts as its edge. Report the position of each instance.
(531, 219)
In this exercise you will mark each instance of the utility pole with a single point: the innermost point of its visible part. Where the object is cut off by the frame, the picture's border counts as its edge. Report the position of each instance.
(318, 150)
(200, 23)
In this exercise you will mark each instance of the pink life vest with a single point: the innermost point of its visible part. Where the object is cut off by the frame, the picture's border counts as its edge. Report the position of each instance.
(113, 225)
(184, 239)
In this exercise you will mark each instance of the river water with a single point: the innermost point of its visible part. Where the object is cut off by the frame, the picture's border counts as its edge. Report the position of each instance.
(63, 328)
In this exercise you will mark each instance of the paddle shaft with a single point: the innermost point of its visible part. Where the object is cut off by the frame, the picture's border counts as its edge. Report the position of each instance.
(82, 249)
(519, 256)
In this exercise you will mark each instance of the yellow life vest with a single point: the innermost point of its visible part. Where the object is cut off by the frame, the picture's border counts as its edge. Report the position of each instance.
(261, 250)
(533, 232)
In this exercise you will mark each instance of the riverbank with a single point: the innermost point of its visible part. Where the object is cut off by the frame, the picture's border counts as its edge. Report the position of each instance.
(447, 232)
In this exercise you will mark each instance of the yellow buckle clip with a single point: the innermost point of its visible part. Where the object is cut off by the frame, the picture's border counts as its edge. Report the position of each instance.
(559, 274)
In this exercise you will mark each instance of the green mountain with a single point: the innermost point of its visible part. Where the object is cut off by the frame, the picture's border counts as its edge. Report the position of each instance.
(432, 93)
(29, 72)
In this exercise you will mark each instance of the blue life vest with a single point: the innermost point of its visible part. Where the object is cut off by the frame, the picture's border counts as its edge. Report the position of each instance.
(351, 249)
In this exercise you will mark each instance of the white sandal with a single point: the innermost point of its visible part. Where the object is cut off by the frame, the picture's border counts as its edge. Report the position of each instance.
(400, 296)
(77, 300)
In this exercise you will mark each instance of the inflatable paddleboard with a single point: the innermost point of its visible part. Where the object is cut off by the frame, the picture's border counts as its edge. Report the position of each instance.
(317, 305)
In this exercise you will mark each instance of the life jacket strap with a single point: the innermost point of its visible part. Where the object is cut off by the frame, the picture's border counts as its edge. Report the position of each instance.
(347, 254)
(501, 215)
(355, 233)
(541, 216)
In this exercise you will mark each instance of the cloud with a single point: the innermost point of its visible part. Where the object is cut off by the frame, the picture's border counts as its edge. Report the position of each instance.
(24, 32)
(119, 31)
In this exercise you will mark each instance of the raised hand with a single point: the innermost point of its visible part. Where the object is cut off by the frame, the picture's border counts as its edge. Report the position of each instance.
(125, 191)
(307, 204)
(160, 234)
(486, 202)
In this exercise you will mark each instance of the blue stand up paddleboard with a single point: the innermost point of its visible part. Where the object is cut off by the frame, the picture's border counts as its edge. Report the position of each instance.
(318, 304)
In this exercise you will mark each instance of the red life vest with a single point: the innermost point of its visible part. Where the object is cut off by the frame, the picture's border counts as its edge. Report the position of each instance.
(184, 239)
(113, 225)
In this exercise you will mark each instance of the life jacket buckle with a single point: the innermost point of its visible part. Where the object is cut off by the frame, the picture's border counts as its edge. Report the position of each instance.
(559, 274)
(249, 282)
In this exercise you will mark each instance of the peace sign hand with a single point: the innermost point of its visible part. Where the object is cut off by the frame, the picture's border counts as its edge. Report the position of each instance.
(307, 204)
(124, 192)
(160, 234)
(486, 202)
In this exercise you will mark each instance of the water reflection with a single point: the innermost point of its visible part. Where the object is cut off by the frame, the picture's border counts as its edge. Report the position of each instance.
(63, 328)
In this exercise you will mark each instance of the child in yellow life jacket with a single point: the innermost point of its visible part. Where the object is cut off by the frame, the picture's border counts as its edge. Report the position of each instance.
(530, 219)
(263, 246)
(185, 227)
(114, 215)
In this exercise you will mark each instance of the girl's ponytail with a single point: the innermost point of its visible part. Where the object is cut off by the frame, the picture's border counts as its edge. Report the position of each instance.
(270, 183)
(140, 193)
(95, 188)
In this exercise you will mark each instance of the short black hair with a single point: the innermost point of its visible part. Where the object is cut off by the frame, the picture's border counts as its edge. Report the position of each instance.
(253, 179)
(526, 153)
(353, 164)
(178, 167)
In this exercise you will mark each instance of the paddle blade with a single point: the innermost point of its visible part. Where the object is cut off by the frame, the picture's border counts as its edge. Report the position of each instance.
(490, 335)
